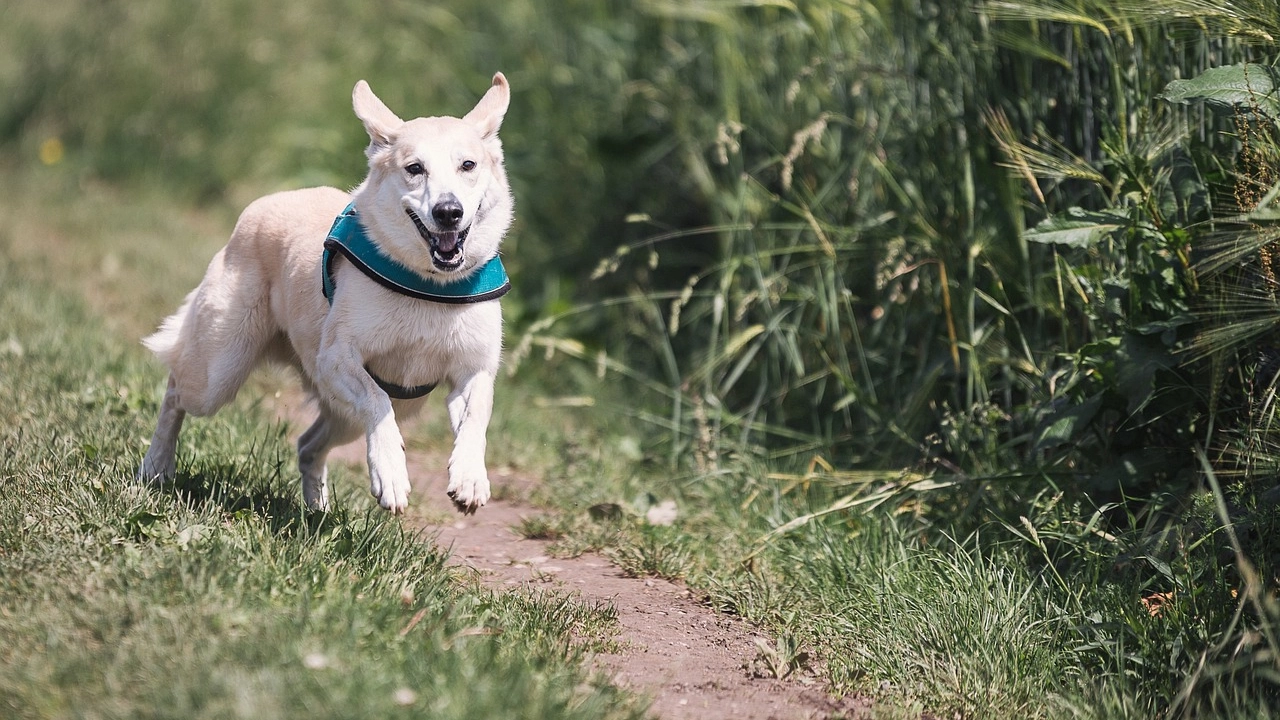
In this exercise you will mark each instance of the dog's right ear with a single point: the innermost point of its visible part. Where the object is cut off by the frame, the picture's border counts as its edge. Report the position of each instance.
(379, 121)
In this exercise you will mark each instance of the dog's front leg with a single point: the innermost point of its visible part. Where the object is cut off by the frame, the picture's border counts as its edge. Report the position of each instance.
(470, 407)
(342, 379)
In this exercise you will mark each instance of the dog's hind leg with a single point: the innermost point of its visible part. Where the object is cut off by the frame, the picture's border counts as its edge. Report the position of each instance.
(160, 463)
(210, 345)
(219, 334)
(326, 433)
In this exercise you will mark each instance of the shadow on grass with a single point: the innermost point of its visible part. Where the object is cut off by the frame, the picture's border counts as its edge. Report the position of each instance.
(254, 477)
(262, 481)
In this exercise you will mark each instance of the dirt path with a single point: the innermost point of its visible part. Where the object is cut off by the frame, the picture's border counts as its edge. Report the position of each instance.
(692, 662)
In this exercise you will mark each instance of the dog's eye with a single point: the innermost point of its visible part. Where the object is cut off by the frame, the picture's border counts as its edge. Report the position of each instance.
(468, 165)
(414, 168)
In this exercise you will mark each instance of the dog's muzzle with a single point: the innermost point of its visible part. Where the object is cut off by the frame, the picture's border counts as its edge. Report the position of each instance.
(446, 245)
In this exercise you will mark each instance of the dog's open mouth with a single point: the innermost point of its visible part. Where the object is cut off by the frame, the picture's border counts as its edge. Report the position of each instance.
(446, 246)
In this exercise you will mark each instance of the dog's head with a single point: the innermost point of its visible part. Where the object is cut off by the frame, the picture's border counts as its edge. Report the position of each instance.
(436, 199)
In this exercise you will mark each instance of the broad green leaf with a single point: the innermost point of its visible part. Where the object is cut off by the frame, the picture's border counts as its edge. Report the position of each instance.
(1247, 84)
(1067, 425)
(1077, 228)
(1138, 359)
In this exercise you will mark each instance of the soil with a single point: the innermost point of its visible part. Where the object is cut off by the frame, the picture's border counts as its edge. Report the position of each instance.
(691, 661)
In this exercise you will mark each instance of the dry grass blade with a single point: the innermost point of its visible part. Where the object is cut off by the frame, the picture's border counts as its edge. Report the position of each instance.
(1044, 159)
(1047, 11)
(902, 482)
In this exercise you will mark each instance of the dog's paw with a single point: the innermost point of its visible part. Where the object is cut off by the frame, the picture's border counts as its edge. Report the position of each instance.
(391, 486)
(388, 476)
(469, 489)
(155, 470)
(315, 490)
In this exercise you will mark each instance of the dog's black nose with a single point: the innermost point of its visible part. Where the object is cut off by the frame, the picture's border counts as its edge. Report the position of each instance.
(448, 211)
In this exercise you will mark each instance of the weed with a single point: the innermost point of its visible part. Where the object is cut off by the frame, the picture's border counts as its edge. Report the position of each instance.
(653, 551)
(539, 527)
(779, 660)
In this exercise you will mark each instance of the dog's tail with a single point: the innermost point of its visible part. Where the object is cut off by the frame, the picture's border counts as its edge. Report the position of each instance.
(216, 337)
(165, 340)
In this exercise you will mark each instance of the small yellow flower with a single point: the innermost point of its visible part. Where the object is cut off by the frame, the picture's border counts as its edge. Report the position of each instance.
(52, 151)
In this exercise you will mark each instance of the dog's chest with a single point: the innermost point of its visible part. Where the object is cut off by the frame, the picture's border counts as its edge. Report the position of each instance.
(412, 341)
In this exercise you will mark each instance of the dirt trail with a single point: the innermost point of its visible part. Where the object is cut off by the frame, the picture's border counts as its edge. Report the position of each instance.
(692, 662)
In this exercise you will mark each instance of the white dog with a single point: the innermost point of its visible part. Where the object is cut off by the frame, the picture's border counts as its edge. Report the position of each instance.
(375, 308)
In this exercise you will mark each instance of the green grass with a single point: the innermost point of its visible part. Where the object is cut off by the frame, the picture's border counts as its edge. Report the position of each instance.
(222, 597)
(1008, 622)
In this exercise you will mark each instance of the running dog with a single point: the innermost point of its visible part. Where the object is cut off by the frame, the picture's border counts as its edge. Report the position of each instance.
(375, 296)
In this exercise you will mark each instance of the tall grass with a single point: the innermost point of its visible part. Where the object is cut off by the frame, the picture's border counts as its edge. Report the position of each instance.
(978, 262)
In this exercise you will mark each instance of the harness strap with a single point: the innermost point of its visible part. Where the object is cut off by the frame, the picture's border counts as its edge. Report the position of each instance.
(348, 238)
(400, 392)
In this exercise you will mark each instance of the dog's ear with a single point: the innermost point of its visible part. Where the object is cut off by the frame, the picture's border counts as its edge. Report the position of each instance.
(379, 121)
(488, 113)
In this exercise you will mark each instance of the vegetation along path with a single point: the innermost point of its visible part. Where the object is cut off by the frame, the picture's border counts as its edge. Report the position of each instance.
(692, 661)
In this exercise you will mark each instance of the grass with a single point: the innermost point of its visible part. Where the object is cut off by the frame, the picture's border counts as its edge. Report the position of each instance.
(220, 597)
(1047, 618)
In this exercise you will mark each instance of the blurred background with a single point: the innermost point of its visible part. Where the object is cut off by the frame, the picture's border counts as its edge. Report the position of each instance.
(968, 261)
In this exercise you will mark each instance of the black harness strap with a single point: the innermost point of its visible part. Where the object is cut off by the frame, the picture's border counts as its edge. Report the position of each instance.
(400, 392)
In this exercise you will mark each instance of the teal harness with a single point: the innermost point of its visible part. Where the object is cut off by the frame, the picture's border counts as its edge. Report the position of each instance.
(347, 238)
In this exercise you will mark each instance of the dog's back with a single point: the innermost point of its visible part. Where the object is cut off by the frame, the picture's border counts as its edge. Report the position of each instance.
(229, 322)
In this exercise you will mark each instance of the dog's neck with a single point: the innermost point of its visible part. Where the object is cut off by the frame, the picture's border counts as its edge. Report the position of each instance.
(347, 238)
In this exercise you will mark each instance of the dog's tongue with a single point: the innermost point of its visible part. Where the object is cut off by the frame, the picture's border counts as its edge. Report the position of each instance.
(446, 242)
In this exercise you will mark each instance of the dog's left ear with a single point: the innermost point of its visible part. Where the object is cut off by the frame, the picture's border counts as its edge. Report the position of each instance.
(488, 113)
